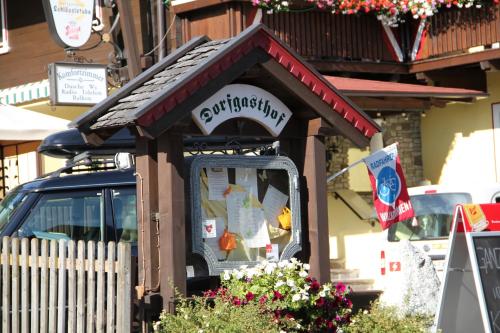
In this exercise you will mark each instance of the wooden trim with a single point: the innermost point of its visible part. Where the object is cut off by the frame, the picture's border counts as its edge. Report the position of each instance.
(317, 207)
(328, 66)
(237, 69)
(456, 60)
(371, 103)
(172, 219)
(147, 206)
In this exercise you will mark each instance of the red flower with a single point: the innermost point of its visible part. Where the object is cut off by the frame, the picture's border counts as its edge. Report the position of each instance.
(236, 301)
(277, 296)
(249, 296)
(314, 285)
(320, 302)
(263, 299)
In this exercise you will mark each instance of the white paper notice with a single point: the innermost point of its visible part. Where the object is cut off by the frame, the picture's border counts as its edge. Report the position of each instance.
(273, 204)
(217, 183)
(272, 252)
(209, 228)
(247, 178)
(253, 227)
(213, 243)
(235, 201)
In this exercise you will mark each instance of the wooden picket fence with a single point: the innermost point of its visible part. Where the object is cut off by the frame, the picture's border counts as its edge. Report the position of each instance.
(60, 286)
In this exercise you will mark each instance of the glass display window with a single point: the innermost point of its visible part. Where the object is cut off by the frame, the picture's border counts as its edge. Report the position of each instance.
(244, 210)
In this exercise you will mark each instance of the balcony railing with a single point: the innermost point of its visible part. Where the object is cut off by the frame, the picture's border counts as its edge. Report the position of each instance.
(455, 31)
(320, 35)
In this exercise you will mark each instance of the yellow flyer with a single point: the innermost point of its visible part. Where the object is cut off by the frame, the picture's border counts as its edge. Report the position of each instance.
(475, 217)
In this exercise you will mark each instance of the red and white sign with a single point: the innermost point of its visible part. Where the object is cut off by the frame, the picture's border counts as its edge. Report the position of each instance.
(390, 195)
(70, 21)
(395, 266)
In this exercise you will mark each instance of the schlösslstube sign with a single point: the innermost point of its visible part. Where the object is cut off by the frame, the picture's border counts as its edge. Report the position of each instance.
(70, 21)
(242, 101)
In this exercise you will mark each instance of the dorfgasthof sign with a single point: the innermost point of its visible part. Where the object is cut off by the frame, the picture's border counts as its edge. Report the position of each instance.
(77, 84)
(242, 101)
(70, 21)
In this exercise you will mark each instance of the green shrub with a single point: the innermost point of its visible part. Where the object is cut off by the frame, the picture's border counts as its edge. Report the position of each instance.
(216, 315)
(384, 319)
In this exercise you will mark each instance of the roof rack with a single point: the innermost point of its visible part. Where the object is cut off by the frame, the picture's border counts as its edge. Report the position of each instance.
(85, 162)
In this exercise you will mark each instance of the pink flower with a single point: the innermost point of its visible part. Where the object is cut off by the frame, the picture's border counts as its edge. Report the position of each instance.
(263, 299)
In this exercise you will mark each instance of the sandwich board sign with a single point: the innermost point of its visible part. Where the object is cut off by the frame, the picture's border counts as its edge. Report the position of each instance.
(470, 293)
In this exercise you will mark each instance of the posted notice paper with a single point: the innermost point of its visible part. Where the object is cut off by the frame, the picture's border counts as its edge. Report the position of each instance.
(247, 178)
(254, 228)
(273, 204)
(234, 202)
(217, 183)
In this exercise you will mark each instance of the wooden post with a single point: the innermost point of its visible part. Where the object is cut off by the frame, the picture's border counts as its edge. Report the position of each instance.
(147, 207)
(129, 38)
(317, 208)
(172, 221)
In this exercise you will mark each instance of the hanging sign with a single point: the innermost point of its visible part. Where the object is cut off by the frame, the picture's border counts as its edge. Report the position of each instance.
(70, 21)
(470, 293)
(242, 101)
(77, 84)
(390, 195)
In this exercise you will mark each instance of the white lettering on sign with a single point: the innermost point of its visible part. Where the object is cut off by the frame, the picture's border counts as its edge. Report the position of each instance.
(488, 258)
(242, 101)
(78, 84)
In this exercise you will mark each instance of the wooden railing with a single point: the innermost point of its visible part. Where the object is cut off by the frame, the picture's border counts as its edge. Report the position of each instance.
(454, 31)
(50, 286)
(318, 35)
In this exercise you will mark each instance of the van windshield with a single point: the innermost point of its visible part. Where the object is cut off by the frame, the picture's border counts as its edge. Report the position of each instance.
(8, 206)
(433, 217)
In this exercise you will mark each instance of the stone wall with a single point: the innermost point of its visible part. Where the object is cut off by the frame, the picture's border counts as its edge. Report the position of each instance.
(403, 128)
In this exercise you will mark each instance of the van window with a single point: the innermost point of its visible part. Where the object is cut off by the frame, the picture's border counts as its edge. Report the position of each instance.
(8, 206)
(433, 217)
(70, 215)
(124, 214)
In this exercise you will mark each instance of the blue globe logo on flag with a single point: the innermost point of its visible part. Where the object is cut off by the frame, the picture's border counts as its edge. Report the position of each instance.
(388, 186)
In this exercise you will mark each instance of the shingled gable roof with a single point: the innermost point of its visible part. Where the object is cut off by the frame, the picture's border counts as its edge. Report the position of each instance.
(159, 90)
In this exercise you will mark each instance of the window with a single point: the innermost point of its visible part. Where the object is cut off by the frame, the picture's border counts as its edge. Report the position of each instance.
(433, 217)
(124, 214)
(66, 215)
(4, 45)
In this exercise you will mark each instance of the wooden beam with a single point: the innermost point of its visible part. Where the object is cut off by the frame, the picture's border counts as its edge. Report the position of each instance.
(455, 60)
(317, 207)
(318, 126)
(314, 102)
(147, 207)
(172, 219)
(129, 38)
(392, 103)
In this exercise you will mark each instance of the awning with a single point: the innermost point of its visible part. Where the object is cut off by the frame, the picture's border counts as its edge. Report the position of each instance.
(373, 88)
(17, 124)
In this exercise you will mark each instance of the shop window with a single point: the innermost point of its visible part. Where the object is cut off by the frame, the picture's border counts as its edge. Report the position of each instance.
(4, 44)
(244, 210)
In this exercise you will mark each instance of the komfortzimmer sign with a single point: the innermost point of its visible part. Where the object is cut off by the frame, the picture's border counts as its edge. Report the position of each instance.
(242, 101)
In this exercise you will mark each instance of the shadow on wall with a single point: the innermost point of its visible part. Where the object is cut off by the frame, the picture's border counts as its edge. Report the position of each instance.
(349, 235)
